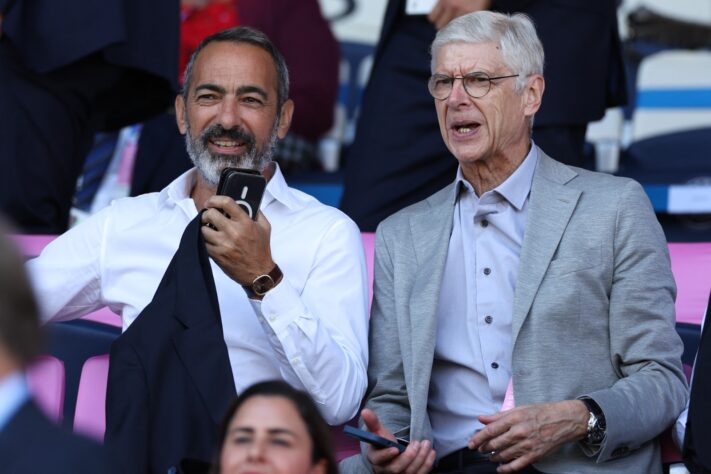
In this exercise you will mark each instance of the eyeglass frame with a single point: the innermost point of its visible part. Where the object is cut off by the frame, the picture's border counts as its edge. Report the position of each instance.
(454, 78)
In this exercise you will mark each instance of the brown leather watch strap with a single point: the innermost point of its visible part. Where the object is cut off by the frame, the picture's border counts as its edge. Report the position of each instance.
(263, 283)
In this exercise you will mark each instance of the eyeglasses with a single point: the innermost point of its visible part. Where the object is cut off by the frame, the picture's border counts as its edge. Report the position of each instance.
(476, 84)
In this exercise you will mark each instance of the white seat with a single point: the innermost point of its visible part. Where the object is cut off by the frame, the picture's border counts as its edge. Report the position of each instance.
(606, 136)
(673, 93)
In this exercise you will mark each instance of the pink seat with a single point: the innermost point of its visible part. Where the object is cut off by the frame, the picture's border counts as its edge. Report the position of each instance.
(90, 414)
(343, 445)
(46, 380)
(690, 263)
(32, 245)
(104, 315)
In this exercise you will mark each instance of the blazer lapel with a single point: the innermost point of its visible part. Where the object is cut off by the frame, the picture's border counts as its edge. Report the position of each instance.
(430, 241)
(201, 345)
(550, 208)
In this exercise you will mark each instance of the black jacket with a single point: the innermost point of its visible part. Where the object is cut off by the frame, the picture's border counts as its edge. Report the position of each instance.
(170, 379)
(30, 443)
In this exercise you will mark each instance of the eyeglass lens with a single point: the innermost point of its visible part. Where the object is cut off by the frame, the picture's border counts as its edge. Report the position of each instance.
(475, 84)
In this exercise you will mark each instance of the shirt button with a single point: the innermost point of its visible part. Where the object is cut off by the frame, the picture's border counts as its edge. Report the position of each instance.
(488, 320)
(494, 365)
(487, 270)
(272, 317)
(484, 223)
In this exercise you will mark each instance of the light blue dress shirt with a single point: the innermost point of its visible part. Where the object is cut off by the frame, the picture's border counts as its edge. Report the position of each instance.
(13, 394)
(472, 363)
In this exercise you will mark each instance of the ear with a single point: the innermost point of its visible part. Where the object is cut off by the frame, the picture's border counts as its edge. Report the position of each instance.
(533, 94)
(287, 111)
(180, 114)
(320, 467)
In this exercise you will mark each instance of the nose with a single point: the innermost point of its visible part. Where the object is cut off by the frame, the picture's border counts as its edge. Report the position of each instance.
(458, 95)
(229, 115)
(256, 450)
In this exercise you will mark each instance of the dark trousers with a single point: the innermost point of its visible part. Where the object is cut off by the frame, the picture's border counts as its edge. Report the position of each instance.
(46, 130)
(466, 461)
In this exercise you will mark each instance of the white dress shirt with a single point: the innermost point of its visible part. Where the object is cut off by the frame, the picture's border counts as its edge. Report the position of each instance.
(13, 394)
(472, 363)
(310, 330)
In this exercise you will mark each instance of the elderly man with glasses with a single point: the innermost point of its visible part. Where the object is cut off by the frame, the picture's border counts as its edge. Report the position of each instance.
(524, 283)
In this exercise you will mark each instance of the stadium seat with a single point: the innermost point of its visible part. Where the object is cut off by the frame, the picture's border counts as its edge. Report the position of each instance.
(673, 93)
(671, 123)
(606, 136)
(32, 245)
(90, 413)
(46, 382)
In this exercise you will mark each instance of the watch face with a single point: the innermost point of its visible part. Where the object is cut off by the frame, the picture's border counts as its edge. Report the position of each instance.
(596, 436)
(262, 284)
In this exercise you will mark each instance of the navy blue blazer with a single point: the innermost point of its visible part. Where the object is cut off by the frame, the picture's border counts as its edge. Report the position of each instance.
(170, 380)
(31, 443)
(697, 456)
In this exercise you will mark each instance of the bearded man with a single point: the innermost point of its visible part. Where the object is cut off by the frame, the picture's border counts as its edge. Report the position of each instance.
(310, 327)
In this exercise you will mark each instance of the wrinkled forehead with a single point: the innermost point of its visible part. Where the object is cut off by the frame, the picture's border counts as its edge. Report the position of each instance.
(459, 58)
(231, 64)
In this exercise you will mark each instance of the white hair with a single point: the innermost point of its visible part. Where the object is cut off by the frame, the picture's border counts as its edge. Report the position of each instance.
(521, 49)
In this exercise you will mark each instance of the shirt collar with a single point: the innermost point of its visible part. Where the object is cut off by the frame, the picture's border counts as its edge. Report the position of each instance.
(516, 188)
(276, 190)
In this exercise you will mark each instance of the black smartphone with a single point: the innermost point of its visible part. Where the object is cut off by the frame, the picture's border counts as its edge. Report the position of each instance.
(245, 186)
(373, 439)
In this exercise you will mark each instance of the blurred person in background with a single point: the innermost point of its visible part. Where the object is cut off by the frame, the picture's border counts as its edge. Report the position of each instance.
(67, 70)
(29, 441)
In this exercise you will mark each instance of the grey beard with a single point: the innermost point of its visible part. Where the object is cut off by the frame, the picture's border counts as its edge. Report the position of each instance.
(210, 165)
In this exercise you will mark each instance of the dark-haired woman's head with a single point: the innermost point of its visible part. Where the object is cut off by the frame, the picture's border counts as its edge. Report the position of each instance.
(274, 428)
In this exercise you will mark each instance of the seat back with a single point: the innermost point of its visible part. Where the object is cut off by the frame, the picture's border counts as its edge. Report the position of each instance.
(606, 136)
(32, 245)
(46, 381)
(673, 93)
(343, 445)
(690, 263)
(90, 413)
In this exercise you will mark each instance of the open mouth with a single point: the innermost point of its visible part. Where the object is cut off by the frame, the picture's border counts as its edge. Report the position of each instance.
(226, 143)
(465, 129)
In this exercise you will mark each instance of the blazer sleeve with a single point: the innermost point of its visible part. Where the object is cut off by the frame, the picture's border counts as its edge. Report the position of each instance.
(127, 436)
(387, 395)
(644, 346)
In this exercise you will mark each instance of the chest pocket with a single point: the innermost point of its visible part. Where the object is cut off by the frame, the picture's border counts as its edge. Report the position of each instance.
(582, 258)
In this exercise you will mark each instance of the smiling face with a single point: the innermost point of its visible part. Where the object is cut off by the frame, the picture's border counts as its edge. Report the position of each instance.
(230, 114)
(267, 435)
(491, 128)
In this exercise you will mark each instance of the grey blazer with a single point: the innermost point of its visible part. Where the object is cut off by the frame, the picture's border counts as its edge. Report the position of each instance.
(593, 314)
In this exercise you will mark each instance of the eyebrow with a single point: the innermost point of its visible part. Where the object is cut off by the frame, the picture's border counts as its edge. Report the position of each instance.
(271, 431)
(240, 90)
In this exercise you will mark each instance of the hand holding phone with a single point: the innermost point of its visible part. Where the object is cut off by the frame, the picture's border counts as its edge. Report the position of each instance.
(245, 186)
(373, 439)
